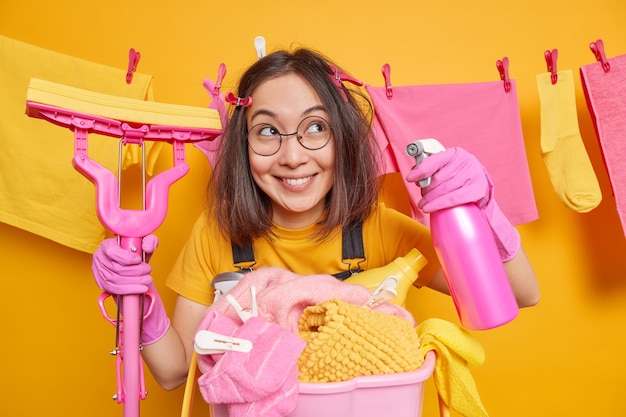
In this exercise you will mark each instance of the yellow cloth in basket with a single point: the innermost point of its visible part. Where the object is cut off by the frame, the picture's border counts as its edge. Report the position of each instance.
(346, 340)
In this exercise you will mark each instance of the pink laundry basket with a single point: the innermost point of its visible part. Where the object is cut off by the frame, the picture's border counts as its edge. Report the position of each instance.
(397, 395)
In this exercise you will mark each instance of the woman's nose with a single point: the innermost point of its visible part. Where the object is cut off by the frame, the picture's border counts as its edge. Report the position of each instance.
(292, 152)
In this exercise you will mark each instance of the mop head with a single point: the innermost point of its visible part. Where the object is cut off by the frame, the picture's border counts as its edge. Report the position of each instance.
(123, 109)
(346, 340)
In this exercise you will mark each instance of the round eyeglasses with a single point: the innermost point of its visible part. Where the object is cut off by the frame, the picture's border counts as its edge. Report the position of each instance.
(313, 133)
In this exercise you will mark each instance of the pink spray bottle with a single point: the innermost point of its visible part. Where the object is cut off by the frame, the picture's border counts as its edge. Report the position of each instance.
(469, 257)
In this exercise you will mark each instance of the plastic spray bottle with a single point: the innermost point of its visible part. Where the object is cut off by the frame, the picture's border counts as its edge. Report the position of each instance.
(398, 275)
(469, 257)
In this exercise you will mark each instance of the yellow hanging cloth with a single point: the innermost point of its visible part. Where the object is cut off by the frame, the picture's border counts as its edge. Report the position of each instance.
(40, 191)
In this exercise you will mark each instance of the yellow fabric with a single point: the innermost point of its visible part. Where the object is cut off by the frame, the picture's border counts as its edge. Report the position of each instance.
(121, 108)
(344, 341)
(456, 349)
(387, 234)
(40, 191)
(564, 154)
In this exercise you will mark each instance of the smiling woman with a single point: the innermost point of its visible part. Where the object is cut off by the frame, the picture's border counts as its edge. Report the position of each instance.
(539, 357)
(289, 202)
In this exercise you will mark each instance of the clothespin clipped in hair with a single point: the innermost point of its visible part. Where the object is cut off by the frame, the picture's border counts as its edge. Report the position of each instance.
(551, 57)
(238, 101)
(503, 69)
(133, 60)
(259, 45)
(207, 342)
(386, 69)
(338, 77)
(597, 48)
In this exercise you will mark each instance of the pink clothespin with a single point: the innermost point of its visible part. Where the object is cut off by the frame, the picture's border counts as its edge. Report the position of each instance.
(551, 57)
(503, 69)
(597, 48)
(338, 77)
(387, 76)
(133, 60)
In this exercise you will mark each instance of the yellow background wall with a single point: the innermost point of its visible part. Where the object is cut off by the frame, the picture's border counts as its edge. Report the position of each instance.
(564, 357)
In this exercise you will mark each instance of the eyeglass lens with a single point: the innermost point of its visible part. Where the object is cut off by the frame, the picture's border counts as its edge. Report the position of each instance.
(313, 133)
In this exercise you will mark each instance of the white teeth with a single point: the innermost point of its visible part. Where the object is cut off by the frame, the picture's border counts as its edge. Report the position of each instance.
(297, 181)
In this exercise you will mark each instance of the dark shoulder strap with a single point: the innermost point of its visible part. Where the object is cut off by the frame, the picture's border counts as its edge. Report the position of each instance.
(243, 256)
(351, 249)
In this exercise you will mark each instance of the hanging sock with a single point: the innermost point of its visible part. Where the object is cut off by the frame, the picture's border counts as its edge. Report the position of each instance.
(563, 150)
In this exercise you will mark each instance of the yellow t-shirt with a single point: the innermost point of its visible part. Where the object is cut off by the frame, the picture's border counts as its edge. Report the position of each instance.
(387, 235)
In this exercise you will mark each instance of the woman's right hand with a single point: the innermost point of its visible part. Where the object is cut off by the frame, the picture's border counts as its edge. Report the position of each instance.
(120, 271)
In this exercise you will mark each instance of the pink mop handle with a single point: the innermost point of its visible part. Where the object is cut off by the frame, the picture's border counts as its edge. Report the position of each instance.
(130, 343)
(129, 225)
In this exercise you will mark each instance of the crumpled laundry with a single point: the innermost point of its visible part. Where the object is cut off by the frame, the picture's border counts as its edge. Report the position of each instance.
(345, 340)
(283, 295)
(456, 348)
(262, 382)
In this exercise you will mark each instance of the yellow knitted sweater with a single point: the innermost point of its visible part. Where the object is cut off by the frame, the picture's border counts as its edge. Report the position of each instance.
(344, 341)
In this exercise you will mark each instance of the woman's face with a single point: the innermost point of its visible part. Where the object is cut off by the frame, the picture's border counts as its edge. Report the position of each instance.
(296, 179)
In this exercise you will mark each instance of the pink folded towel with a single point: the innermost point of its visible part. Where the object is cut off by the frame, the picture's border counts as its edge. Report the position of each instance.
(605, 94)
(262, 382)
(282, 295)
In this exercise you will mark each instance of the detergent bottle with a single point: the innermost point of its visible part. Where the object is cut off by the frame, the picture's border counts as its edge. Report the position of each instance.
(469, 257)
(399, 275)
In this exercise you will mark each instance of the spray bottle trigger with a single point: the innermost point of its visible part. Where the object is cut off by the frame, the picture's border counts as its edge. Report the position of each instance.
(421, 149)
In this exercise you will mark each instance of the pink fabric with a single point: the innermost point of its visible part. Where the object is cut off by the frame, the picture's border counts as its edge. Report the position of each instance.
(479, 117)
(282, 295)
(262, 382)
(457, 177)
(605, 93)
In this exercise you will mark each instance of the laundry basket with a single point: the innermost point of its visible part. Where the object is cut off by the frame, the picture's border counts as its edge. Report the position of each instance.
(397, 395)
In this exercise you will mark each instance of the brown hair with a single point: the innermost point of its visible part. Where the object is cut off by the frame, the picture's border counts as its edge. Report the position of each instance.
(242, 209)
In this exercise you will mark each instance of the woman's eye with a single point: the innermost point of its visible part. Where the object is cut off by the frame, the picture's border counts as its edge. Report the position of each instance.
(316, 127)
(268, 131)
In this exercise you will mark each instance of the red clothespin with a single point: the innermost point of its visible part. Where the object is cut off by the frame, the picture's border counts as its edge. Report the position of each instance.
(503, 69)
(597, 48)
(387, 76)
(551, 57)
(133, 60)
(238, 101)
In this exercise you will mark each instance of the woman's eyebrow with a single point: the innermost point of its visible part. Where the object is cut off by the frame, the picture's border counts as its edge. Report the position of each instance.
(274, 115)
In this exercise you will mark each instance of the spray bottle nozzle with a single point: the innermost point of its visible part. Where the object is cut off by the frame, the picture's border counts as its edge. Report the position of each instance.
(421, 149)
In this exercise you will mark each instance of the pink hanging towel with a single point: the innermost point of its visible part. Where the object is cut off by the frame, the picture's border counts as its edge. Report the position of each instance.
(605, 93)
(480, 117)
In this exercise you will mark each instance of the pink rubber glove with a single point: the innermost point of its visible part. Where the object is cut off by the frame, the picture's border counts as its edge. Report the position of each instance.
(122, 272)
(457, 177)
